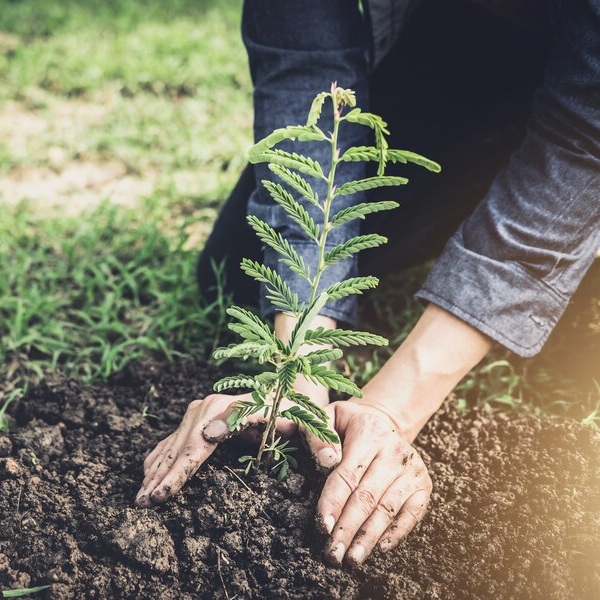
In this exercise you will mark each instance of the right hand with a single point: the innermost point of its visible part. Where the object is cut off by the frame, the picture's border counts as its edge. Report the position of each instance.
(176, 458)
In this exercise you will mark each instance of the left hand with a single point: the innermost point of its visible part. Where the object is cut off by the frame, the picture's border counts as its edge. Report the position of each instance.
(176, 458)
(377, 493)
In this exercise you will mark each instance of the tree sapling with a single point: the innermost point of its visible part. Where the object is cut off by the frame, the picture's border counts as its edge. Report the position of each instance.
(284, 362)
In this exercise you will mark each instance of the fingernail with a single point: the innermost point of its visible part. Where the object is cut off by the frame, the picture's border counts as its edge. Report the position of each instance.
(141, 499)
(161, 494)
(357, 553)
(337, 552)
(327, 457)
(329, 523)
(216, 430)
(385, 545)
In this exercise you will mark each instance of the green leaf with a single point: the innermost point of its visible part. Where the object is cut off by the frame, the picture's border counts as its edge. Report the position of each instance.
(23, 591)
(359, 211)
(235, 382)
(343, 337)
(369, 183)
(296, 182)
(276, 241)
(284, 468)
(379, 127)
(286, 373)
(323, 355)
(256, 329)
(405, 156)
(279, 292)
(361, 153)
(312, 423)
(304, 321)
(370, 153)
(352, 246)
(242, 410)
(336, 381)
(259, 350)
(369, 119)
(306, 403)
(294, 209)
(316, 108)
(354, 285)
(291, 160)
(266, 379)
(302, 133)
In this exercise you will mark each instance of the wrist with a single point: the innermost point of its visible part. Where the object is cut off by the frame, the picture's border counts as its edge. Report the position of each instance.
(284, 326)
(285, 323)
(437, 354)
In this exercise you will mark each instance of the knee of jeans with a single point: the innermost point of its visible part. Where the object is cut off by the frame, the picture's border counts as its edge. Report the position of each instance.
(305, 24)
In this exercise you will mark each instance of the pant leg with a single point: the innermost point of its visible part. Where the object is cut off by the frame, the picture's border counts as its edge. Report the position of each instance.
(296, 48)
(231, 240)
(457, 88)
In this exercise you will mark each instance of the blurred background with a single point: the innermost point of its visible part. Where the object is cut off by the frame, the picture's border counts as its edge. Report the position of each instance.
(123, 126)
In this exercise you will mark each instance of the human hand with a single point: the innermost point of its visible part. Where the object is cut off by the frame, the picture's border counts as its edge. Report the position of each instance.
(176, 458)
(379, 490)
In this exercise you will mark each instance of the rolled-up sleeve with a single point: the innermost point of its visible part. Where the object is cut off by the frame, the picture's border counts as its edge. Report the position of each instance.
(513, 265)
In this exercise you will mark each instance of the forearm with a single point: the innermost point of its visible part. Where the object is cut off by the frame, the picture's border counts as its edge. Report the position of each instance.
(437, 354)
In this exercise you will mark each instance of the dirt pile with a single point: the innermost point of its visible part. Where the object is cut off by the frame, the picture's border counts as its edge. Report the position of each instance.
(515, 511)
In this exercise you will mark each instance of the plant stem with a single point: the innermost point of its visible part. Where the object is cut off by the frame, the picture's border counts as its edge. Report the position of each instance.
(270, 425)
(328, 202)
(270, 430)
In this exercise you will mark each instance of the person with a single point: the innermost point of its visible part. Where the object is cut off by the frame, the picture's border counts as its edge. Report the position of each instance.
(515, 214)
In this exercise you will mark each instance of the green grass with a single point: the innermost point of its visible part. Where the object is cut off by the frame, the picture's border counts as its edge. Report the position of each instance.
(159, 87)
(75, 47)
(91, 293)
(162, 88)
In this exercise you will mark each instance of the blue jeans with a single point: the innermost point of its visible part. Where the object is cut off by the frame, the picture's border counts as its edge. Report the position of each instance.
(518, 208)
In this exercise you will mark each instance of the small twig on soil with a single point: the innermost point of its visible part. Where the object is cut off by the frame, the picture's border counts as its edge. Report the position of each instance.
(221, 575)
(238, 478)
(246, 486)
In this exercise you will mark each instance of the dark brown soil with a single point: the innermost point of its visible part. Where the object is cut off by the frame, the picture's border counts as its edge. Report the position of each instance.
(515, 511)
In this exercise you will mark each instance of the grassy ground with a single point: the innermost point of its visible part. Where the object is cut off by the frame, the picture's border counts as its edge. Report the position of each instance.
(148, 104)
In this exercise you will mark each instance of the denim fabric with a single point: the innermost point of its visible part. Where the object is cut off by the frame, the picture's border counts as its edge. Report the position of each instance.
(515, 261)
(296, 49)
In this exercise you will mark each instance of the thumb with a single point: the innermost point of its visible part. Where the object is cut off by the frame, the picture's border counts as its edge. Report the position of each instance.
(327, 455)
(217, 430)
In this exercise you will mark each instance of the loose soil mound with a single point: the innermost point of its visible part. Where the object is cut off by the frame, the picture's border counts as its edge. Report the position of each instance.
(515, 512)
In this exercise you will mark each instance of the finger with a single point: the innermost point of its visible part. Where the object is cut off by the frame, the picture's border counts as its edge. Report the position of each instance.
(165, 458)
(340, 485)
(361, 444)
(360, 505)
(149, 460)
(189, 459)
(217, 430)
(156, 473)
(410, 514)
(326, 454)
(371, 530)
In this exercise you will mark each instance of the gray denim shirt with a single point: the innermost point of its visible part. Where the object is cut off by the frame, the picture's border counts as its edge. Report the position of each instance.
(514, 263)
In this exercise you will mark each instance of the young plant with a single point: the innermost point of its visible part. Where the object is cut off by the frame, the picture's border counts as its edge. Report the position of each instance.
(284, 362)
